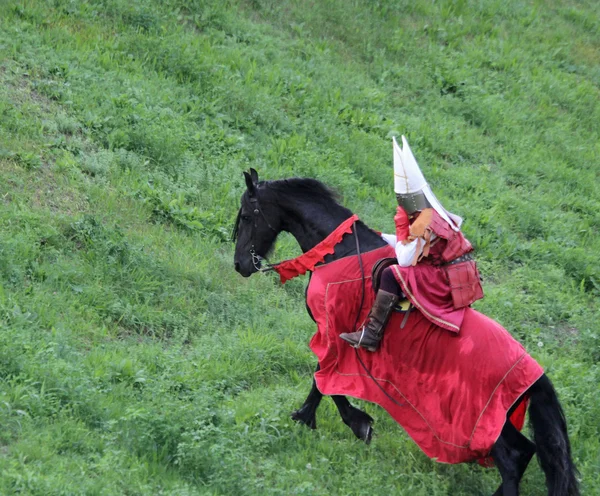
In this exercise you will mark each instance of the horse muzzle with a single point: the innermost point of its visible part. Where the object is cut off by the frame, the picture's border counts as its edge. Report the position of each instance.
(244, 269)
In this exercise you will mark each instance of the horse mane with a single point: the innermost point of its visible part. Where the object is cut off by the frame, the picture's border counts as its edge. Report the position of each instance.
(297, 189)
(304, 188)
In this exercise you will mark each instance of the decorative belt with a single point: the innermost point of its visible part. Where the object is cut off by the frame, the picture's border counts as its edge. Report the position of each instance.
(464, 258)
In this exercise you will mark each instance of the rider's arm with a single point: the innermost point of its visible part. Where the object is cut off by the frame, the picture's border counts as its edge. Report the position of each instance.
(411, 251)
(390, 239)
(405, 253)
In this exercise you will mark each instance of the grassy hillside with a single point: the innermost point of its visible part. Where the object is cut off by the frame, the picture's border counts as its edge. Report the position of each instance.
(134, 360)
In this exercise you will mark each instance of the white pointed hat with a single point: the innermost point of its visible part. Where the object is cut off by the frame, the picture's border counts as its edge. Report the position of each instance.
(411, 187)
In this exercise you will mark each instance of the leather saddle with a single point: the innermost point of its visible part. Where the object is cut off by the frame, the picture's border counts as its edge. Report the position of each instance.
(377, 270)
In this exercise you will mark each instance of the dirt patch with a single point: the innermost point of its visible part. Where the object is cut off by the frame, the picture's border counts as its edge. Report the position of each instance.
(50, 194)
(564, 334)
(42, 188)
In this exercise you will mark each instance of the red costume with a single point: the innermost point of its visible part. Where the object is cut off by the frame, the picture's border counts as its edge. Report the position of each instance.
(443, 281)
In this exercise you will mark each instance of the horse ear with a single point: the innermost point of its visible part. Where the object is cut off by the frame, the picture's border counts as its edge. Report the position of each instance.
(254, 175)
(249, 183)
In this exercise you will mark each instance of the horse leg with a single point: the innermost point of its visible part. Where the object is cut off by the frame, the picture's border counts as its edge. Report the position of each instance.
(306, 413)
(550, 435)
(511, 453)
(359, 421)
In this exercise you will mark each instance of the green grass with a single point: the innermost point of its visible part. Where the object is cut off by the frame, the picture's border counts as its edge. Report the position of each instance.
(134, 360)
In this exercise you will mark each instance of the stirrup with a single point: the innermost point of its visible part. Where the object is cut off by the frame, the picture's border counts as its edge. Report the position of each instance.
(362, 335)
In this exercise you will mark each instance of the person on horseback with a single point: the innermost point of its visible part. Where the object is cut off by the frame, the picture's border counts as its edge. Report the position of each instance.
(435, 270)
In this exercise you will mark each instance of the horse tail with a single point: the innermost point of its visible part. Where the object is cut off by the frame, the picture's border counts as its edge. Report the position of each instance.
(552, 441)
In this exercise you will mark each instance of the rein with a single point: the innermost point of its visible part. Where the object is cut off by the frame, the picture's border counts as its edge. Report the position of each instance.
(362, 300)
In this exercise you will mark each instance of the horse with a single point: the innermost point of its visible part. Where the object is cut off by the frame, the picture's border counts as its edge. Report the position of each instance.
(310, 211)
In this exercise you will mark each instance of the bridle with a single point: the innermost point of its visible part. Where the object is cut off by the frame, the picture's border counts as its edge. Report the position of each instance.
(257, 260)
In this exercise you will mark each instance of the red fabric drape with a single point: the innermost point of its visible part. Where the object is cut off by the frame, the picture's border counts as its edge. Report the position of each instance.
(306, 262)
(456, 388)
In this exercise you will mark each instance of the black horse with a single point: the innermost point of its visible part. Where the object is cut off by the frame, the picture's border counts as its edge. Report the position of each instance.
(309, 211)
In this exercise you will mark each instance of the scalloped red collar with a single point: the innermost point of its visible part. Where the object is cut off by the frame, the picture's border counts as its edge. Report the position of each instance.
(288, 269)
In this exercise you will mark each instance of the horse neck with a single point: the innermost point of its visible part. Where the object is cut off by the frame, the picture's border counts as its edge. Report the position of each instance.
(311, 223)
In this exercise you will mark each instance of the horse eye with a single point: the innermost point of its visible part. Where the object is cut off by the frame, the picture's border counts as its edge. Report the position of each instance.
(246, 218)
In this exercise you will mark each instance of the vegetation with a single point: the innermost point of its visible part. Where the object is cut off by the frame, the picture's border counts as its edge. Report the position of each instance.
(134, 360)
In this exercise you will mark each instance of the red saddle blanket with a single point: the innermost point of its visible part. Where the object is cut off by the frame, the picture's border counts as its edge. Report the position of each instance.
(455, 389)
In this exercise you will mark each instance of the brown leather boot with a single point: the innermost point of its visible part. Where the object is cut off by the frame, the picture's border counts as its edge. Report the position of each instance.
(372, 332)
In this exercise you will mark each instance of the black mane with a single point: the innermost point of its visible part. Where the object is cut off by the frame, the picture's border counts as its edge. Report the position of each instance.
(303, 188)
(296, 190)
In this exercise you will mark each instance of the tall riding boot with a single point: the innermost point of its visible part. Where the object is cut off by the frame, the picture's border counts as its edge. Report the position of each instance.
(372, 332)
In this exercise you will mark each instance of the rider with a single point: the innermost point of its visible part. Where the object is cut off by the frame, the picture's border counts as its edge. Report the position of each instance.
(435, 271)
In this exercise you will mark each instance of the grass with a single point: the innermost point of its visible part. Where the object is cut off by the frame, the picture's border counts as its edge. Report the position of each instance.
(133, 360)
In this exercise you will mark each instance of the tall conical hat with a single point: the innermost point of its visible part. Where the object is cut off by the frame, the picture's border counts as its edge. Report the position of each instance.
(410, 182)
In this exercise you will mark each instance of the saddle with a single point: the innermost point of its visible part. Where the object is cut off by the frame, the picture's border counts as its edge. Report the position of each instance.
(377, 270)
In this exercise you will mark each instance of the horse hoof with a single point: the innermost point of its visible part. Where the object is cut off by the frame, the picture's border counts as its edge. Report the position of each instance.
(364, 432)
(303, 417)
(360, 422)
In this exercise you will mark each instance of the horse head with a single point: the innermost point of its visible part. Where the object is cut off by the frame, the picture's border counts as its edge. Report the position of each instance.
(257, 225)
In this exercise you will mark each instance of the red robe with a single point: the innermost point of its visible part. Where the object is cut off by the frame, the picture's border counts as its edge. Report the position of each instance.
(440, 291)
